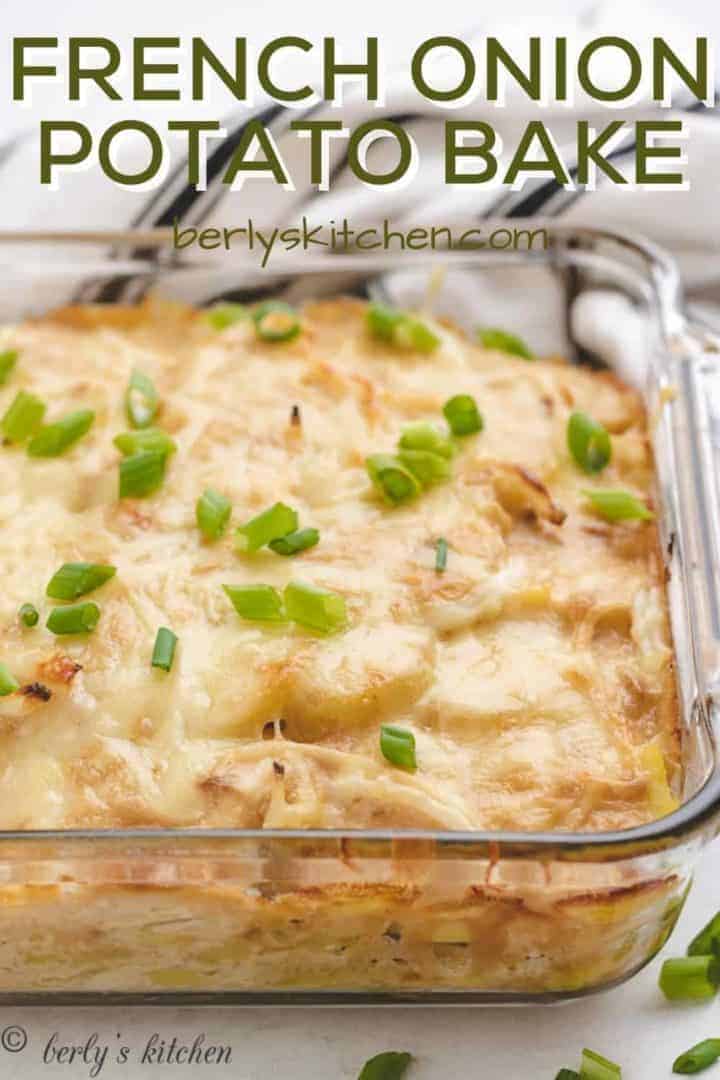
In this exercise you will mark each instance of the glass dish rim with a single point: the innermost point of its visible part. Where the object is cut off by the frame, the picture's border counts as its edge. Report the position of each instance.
(683, 824)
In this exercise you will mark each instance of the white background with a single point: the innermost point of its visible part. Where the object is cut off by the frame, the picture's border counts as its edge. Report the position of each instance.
(633, 1025)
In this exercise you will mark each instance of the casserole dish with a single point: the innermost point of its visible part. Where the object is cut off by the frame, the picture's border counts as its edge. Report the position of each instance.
(413, 914)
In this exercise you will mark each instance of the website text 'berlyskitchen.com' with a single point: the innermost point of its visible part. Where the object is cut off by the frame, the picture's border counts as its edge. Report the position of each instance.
(340, 236)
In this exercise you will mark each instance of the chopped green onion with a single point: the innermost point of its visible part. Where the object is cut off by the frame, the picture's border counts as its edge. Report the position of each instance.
(141, 400)
(422, 436)
(315, 608)
(8, 359)
(441, 554)
(212, 513)
(391, 1065)
(8, 683)
(398, 746)
(698, 1057)
(588, 442)
(493, 338)
(428, 468)
(276, 321)
(278, 520)
(22, 417)
(29, 615)
(220, 316)
(617, 505)
(141, 474)
(295, 542)
(136, 442)
(689, 978)
(708, 940)
(74, 618)
(568, 1074)
(399, 328)
(413, 333)
(73, 580)
(396, 482)
(164, 649)
(595, 1067)
(256, 602)
(54, 439)
(463, 415)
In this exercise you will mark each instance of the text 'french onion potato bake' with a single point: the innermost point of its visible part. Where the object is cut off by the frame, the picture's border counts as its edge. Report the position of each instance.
(340, 567)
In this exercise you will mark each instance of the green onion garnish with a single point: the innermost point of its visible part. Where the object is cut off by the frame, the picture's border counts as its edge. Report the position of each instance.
(8, 683)
(396, 482)
(493, 338)
(588, 442)
(164, 649)
(708, 940)
(412, 333)
(73, 580)
(698, 1057)
(595, 1067)
(141, 400)
(276, 321)
(212, 512)
(256, 602)
(422, 436)
(391, 1065)
(463, 415)
(54, 439)
(689, 978)
(568, 1074)
(29, 615)
(428, 468)
(135, 442)
(399, 328)
(141, 474)
(295, 542)
(618, 505)
(278, 520)
(74, 618)
(22, 417)
(398, 746)
(441, 554)
(220, 316)
(8, 359)
(315, 608)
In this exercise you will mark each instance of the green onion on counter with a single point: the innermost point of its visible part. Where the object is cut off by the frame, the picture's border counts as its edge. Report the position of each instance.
(73, 580)
(698, 1057)
(23, 416)
(398, 746)
(568, 1074)
(392, 1065)
(164, 649)
(595, 1067)
(588, 442)
(74, 618)
(212, 513)
(690, 978)
(707, 941)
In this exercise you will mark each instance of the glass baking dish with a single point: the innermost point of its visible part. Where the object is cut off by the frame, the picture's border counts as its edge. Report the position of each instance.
(397, 916)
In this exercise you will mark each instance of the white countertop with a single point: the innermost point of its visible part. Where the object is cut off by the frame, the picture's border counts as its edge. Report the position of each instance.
(632, 1024)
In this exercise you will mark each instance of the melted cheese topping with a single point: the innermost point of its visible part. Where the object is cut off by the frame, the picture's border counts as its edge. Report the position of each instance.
(535, 673)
